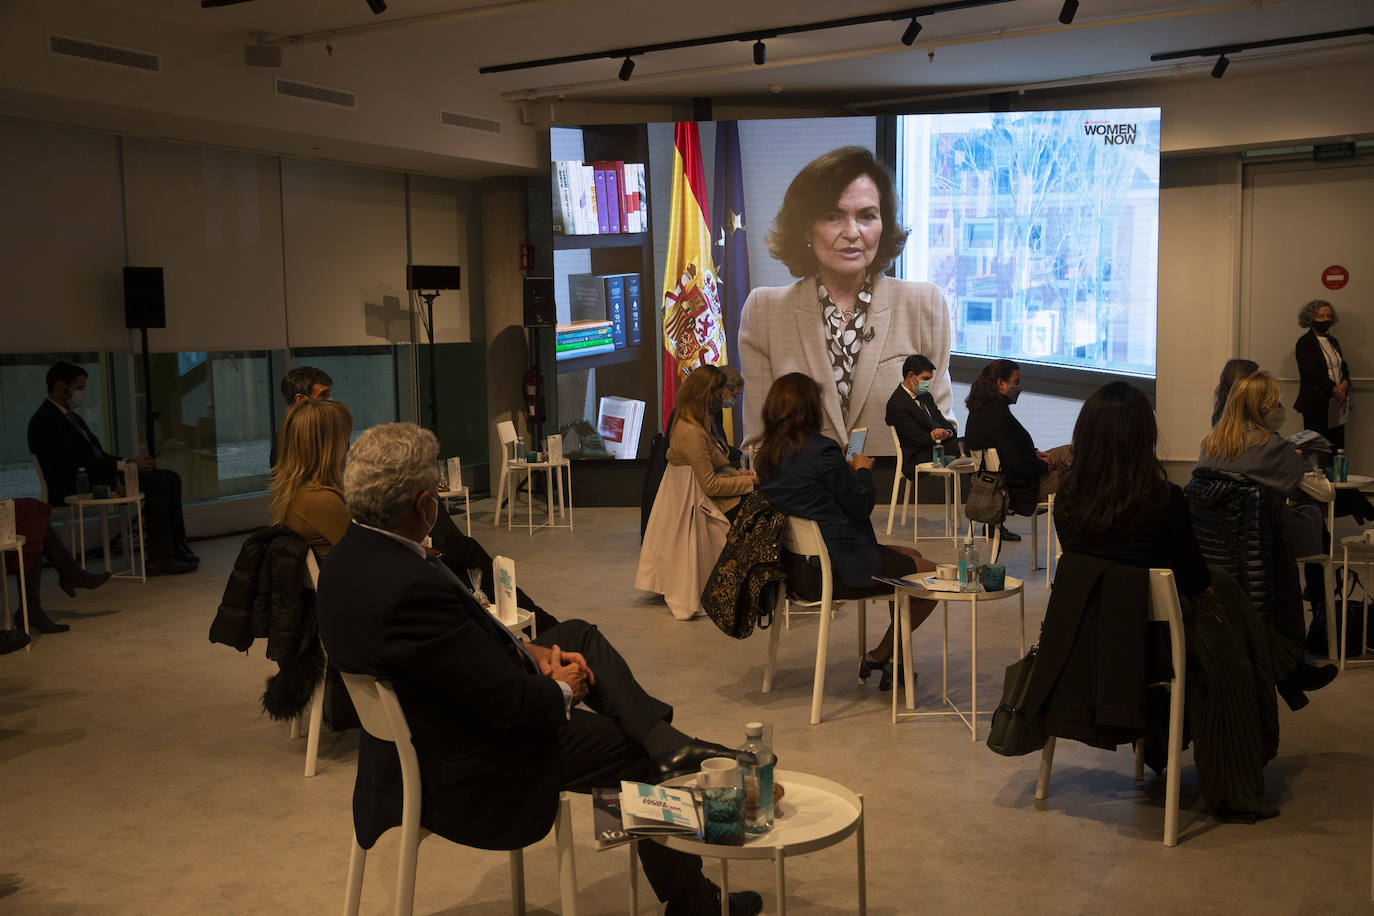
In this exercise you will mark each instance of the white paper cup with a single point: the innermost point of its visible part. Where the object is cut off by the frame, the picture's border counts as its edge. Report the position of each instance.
(947, 571)
(718, 772)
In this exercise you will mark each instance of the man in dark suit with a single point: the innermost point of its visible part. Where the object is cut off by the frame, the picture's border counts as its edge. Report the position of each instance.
(493, 719)
(913, 413)
(64, 444)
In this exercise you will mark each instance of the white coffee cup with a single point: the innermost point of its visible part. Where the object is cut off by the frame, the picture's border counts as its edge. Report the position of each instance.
(718, 772)
(947, 571)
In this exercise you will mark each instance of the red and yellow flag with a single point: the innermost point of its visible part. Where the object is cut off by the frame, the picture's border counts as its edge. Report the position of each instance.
(693, 329)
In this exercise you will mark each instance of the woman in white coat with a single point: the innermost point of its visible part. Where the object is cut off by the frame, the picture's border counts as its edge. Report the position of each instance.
(843, 322)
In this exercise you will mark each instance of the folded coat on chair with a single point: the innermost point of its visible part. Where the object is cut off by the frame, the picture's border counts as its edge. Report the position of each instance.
(743, 586)
(684, 538)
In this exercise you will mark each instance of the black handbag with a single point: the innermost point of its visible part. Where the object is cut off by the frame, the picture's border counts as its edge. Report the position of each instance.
(987, 497)
(1015, 732)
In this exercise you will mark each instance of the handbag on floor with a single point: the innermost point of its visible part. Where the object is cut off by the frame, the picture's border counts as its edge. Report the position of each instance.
(1014, 732)
(987, 497)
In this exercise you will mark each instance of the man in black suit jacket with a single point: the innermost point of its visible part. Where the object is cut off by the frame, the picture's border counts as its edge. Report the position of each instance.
(913, 413)
(493, 719)
(64, 444)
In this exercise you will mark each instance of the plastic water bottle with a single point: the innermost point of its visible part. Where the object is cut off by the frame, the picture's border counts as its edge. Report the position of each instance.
(1341, 466)
(83, 483)
(968, 566)
(756, 767)
(937, 455)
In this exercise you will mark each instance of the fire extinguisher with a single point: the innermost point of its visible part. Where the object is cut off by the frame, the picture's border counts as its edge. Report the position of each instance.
(534, 395)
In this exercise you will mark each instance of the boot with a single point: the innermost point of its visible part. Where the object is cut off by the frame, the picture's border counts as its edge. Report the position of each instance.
(70, 575)
(38, 619)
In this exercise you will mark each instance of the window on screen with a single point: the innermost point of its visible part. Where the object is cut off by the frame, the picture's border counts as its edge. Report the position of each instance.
(1041, 230)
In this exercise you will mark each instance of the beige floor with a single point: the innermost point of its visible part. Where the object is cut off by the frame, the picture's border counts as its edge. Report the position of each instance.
(140, 776)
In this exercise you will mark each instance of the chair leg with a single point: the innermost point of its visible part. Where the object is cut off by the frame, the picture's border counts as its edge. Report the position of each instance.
(997, 540)
(500, 492)
(312, 736)
(863, 627)
(634, 877)
(769, 668)
(517, 882)
(1035, 542)
(908, 487)
(295, 727)
(818, 681)
(357, 861)
(1328, 580)
(1171, 775)
(892, 504)
(567, 865)
(1139, 745)
(1042, 781)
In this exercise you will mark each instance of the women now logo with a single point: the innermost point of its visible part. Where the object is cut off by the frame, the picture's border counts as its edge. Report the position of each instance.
(1111, 134)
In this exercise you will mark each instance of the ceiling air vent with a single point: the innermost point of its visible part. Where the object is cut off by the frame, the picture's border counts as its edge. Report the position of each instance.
(315, 93)
(105, 54)
(472, 122)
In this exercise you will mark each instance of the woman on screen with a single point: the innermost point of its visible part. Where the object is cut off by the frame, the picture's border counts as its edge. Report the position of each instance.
(804, 473)
(843, 322)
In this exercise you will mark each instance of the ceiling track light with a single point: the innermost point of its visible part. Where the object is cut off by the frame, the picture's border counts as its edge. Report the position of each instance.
(1220, 67)
(1067, 11)
(626, 69)
(912, 30)
(377, 6)
(760, 53)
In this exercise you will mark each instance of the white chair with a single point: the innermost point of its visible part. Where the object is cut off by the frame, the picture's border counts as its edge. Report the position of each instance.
(456, 489)
(898, 482)
(510, 459)
(1164, 606)
(802, 536)
(43, 490)
(989, 459)
(17, 545)
(312, 735)
(381, 715)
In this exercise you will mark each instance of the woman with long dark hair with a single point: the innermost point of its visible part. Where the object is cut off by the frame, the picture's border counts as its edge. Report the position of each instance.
(804, 473)
(1115, 502)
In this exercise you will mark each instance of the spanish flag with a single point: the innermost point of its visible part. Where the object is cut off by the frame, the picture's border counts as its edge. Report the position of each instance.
(693, 330)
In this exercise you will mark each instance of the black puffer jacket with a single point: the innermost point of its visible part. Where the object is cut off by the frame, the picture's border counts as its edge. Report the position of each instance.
(267, 596)
(1236, 522)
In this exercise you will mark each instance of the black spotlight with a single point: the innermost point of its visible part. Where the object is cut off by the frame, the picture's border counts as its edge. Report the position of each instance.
(626, 69)
(1066, 14)
(760, 52)
(1220, 67)
(377, 6)
(912, 30)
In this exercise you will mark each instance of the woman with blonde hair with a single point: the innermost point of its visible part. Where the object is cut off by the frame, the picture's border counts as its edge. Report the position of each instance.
(692, 442)
(307, 480)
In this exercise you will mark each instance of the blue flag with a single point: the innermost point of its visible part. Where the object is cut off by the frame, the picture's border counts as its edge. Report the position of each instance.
(729, 246)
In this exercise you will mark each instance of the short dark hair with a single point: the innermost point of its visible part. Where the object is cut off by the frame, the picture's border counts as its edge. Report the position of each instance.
(302, 380)
(815, 191)
(65, 372)
(917, 364)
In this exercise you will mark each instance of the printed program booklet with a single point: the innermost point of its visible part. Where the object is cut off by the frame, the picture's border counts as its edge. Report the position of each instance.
(638, 810)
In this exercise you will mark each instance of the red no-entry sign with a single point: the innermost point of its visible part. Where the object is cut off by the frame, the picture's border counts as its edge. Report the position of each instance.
(1335, 277)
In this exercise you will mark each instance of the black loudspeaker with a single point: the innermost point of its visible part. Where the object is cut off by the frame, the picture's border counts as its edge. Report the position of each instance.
(540, 311)
(144, 305)
(431, 276)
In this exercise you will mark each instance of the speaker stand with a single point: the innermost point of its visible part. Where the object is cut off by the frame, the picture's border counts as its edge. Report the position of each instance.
(149, 415)
(433, 379)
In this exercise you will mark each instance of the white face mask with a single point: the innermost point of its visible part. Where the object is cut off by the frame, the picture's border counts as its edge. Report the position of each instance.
(1274, 418)
(429, 526)
(76, 399)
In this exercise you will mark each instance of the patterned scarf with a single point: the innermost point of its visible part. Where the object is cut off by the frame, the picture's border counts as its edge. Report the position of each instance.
(846, 341)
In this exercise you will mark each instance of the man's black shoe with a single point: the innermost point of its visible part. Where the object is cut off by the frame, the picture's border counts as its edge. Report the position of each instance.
(1009, 535)
(13, 641)
(184, 554)
(704, 900)
(168, 566)
(688, 758)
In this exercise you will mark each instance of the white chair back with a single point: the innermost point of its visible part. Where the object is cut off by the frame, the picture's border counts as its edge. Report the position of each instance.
(510, 439)
(986, 458)
(42, 481)
(312, 567)
(897, 444)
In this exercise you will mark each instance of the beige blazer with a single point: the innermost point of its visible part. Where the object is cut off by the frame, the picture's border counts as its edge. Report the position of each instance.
(691, 446)
(781, 330)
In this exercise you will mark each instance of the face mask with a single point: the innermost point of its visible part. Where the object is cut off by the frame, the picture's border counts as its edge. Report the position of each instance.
(727, 403)
(1274, 418)
(1321, 327)
(429, 526)
(923, 385)
(1013, 392)
(77, 398)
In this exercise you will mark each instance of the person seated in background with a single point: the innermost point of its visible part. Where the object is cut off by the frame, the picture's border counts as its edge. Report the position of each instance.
(42, 542)
(804, 473)
(1031, 475)
(301, 384)
(729, 400)
(307, 481)
(913, 413)
(1115, 502)
(495, 721)
(692, 441)
(1244, 442)
(1232, 372)
(64, 444)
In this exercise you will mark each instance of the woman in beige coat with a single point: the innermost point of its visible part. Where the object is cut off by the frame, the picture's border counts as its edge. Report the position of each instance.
(695, 503)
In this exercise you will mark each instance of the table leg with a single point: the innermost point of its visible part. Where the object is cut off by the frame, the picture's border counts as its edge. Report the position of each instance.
(1021, 598)
(1345, 588)
(23, 599)
(973, 653)
(898, 621)
(634, 879)
(1331, 525)
(81, 531)
(548, 492)
(724, 887)
(142, 543)
(568, 490)
(863, 862)
(529, 492)
(781, 880)
(944, 656)
(105, 535)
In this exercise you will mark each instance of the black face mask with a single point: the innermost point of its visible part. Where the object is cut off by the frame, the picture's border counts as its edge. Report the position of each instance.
(1321, 327)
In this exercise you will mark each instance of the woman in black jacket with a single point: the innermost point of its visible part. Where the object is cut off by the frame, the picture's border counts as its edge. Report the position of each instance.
(1031, 475)
(1324, 377)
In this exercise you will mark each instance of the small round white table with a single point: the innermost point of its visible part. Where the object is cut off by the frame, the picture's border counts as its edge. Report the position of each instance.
(953, 479)
(932, 588)
(17, 545)
(1355, 549)
(816, 813)
(125, 506)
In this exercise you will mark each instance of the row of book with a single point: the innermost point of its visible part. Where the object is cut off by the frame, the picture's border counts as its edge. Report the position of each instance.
(604, 315)
(599, 198)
